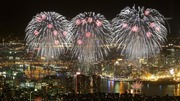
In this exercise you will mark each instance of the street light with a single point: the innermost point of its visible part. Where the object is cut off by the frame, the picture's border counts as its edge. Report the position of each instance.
(30, 95)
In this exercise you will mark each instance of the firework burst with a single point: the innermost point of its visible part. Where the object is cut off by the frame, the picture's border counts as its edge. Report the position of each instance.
(91, 35)
(139, 33)
(46, 35)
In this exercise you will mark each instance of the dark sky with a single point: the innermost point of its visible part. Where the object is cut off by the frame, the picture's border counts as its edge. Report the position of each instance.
(16, 14)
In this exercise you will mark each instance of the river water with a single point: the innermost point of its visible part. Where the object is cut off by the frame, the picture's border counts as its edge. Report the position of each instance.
(147, 89)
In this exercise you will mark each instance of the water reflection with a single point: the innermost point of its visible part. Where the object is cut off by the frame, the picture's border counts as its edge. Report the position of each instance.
(92, 85)
(147, 89)
(177, 90)
(110, 86)
(118, 87)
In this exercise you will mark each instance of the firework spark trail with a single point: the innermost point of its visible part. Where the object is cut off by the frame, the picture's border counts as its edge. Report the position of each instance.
(46, 35)
(91, 35)
(139, 33)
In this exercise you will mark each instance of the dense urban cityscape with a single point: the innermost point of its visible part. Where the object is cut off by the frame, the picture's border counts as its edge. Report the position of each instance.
(27, 76)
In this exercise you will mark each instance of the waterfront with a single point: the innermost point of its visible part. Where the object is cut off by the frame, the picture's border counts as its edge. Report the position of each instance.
(81, 86)
(149, 89)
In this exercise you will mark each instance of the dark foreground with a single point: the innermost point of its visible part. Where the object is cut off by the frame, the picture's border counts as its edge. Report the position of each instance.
(95, 97)
(117, 97)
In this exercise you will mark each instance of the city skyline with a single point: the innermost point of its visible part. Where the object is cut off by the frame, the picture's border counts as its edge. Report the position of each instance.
(17, 14)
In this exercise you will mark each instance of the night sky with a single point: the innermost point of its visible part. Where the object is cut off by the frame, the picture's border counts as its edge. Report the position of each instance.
(16, 14)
